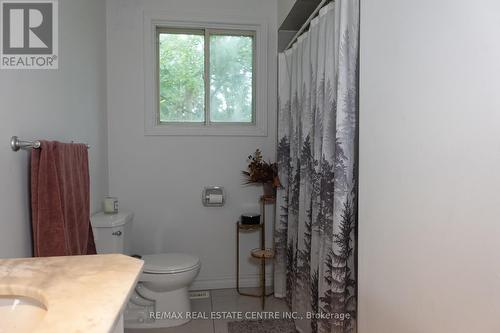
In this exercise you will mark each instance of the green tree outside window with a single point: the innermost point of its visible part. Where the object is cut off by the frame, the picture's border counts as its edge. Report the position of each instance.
(182, 75)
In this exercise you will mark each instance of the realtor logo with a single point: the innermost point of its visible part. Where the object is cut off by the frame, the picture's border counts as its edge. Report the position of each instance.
(28, 34)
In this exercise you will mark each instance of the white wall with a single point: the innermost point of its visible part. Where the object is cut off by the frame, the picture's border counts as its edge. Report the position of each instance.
(65, 104)
(429, 233)
(160, 178)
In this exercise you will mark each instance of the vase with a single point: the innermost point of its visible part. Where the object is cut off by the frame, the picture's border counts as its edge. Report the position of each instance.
(269, 189)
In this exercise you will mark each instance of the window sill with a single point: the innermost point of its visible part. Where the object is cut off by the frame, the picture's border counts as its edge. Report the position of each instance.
(203, 130)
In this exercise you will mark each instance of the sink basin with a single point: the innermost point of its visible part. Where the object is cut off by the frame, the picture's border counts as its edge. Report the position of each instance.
(20, 314)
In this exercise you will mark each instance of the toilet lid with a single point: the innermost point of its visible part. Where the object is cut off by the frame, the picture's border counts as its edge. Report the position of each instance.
(169, 262)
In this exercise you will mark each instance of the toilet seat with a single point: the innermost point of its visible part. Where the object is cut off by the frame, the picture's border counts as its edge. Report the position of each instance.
(169, 263)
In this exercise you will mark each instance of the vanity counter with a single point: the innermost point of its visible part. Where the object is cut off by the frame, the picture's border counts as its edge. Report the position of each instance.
(85, 294)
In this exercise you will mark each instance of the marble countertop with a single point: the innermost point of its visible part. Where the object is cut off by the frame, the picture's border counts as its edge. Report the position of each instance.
(81, 293)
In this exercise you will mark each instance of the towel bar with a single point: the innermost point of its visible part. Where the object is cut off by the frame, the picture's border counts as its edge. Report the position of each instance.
(16, 144)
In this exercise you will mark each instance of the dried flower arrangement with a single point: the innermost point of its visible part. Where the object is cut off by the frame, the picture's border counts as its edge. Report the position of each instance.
(260, 171)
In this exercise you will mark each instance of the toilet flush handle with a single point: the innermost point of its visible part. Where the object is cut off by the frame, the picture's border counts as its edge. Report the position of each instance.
(117, 233)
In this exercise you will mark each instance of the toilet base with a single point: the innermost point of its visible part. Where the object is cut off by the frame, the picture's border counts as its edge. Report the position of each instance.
(167, 309)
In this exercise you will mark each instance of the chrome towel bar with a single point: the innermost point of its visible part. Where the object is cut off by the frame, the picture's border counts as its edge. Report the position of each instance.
(16, 144)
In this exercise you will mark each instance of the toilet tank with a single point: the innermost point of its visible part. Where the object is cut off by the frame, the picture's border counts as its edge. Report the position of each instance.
(112, 232)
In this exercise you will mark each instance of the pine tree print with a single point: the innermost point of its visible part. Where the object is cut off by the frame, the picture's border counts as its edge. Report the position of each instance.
(314, 299)
(290, 274)
(315, 231)
(343, 283)
(345, 242)
(327, 181)
(304, 269)
(328, 297)
(281, 233)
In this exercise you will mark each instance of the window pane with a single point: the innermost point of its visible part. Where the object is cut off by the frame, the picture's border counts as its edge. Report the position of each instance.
(231, 78)
(181, 77)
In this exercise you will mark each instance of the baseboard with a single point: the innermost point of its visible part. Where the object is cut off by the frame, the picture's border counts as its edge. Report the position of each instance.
(228, 282)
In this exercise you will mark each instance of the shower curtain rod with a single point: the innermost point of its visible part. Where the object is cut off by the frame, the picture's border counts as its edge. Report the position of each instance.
(307, 23)
(17, 144)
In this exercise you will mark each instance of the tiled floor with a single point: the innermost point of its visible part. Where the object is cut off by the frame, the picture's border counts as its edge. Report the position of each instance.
(223, 300)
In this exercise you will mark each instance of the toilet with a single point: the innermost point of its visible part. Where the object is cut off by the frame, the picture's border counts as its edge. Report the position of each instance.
(162, 291)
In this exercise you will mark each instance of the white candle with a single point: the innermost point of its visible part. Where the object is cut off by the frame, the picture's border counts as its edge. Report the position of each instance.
(110, 205)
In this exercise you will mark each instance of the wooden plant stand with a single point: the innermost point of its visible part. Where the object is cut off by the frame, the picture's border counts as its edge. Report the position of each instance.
(260, 253)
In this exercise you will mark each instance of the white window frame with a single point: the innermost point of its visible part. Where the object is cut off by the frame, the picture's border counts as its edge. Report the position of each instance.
(155, 21)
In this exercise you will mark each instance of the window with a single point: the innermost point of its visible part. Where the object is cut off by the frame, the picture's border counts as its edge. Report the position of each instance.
(205, 76)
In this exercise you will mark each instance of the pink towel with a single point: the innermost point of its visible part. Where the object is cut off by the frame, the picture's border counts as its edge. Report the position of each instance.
(60, 200)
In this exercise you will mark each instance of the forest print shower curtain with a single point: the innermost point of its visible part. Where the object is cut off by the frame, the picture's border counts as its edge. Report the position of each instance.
(315, 233)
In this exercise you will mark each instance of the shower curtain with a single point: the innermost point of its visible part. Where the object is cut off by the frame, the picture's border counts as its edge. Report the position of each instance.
(315, 233)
